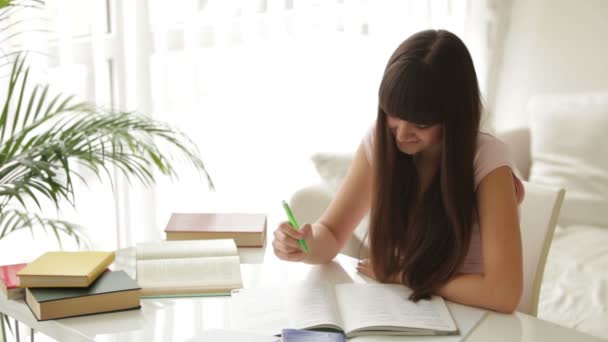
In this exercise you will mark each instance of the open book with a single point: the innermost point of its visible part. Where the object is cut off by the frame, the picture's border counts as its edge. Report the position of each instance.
(355, 309)
(187, 268)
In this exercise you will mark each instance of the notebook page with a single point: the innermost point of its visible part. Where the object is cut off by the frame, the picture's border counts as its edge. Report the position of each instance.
(224, 335)
(296, 306)
(312, 306)
(466, 318)
(185, 249)
(259, 310)
(189, 272)
(387, 305)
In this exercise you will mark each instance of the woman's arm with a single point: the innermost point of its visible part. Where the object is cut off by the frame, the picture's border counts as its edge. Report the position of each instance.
(336, 225)
(501, 285)
(347, 209)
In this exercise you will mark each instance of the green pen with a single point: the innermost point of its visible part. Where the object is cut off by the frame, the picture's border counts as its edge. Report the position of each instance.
(295, 225)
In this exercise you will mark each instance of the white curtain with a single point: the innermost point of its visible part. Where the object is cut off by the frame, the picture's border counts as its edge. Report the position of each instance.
(259, 85)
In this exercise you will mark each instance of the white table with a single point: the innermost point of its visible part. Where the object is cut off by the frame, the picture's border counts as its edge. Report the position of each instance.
(182, 319)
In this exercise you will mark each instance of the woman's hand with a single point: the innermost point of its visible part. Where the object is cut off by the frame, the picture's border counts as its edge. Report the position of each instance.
(285, 243)
(365, 267)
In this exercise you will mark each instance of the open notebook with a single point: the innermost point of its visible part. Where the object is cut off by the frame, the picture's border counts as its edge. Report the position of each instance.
(188, 268)
(355, 309)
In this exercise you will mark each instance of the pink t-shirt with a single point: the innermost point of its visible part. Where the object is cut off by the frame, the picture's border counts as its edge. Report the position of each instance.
(491, 154)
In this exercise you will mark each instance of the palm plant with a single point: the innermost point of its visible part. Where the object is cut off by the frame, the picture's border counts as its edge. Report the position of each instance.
(48, 141)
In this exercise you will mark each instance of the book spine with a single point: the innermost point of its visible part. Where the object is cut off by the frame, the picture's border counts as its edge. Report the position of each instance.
(25, 281)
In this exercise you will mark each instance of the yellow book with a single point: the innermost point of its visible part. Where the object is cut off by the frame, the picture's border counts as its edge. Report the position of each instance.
(65, 269)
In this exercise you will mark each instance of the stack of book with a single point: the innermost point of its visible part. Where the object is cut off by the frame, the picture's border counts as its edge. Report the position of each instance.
(68, 284)
(199, 256)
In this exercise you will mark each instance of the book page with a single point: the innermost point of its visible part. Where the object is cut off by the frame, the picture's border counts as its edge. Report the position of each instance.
(185, 249)
(312, 306)
(296, 306)
(189, 272)
(260, 310)
(382, 306)
(224, 335)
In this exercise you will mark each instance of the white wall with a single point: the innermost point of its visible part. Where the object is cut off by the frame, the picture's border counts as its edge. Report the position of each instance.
(551, 46)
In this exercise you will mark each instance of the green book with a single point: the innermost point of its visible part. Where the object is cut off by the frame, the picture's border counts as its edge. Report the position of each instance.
(112, 291)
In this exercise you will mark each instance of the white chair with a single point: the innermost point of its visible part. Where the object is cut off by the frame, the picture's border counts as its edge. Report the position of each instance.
(538, 216)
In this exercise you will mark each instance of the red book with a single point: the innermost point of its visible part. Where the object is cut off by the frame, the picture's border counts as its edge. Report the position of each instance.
(247, 230)
(9, 281)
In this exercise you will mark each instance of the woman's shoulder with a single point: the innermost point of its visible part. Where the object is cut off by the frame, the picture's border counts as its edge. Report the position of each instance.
(485, 138)
(491, 153)
(488, 145)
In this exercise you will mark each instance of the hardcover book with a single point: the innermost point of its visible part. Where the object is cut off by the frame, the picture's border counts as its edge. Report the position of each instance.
(9, 282)
(188, 268)
(301, 335)
(112, 291)
(247, 230)
(65, 269)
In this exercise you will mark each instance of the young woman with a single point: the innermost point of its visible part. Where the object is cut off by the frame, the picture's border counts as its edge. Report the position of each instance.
(442, 196)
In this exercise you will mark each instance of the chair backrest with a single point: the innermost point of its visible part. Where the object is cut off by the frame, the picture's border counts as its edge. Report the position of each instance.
(518, 142)
(538, 216)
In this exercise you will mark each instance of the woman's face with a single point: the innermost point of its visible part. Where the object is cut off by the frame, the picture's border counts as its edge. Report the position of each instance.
(411, 138)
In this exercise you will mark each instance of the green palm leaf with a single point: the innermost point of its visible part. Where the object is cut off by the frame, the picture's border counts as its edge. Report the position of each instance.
(13, 220)
(4, 321)
(46, 141)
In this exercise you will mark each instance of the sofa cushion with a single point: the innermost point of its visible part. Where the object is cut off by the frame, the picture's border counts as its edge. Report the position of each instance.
(332, 168)
(569, 150)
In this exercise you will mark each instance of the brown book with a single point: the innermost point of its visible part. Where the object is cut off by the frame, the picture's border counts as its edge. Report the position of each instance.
(247, 230)
(112, 291)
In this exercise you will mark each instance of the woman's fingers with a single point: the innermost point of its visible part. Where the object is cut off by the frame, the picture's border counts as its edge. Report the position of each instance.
(282, 237)
(296, 256)
(286, 253)
(285, 243)
(290, 231)
(284, 248)
(364, 267)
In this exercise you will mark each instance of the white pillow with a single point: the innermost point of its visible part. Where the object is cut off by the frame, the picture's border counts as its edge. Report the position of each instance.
(332, 167)
(569, 150)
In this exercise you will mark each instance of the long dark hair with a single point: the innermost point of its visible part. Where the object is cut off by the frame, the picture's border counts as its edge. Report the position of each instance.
(429, 79)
